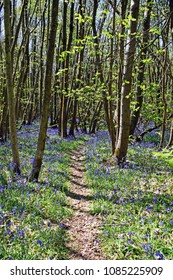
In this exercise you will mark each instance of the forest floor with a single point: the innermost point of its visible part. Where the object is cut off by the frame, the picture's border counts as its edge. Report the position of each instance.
(82, 227)
(83, 207)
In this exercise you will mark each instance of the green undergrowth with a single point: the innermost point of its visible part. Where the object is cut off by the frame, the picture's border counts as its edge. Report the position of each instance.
(166, 154)
(31, 214)
(136, 202)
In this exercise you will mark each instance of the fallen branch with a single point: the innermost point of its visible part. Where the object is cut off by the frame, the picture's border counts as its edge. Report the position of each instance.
(140, 137)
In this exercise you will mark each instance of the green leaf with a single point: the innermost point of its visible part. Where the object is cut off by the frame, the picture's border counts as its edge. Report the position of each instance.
(79, 18)
(155, 30)
(131, 18)
(108, 34)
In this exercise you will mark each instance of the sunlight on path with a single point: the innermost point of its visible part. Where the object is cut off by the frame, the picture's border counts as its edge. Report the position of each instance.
(83, 228)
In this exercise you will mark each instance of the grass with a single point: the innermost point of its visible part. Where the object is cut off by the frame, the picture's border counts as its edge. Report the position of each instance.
(136, 202)
(31, 214)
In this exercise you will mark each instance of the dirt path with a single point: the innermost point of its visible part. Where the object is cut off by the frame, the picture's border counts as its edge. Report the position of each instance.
(83, 228)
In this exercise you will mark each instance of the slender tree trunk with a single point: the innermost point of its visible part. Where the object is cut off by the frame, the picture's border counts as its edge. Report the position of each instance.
(165, 68)
(170, 136)
(64, 99)
(164, 87)
(95, 118)
(10, 88)
(73, 121)
(43, 24)
(3, 103)
(171, 16)
(171, 27)
(140, 77)
(110, 105)
(106, 104)
(47, 94)
(24, 6)
(80, 35)
(4, 123)
(123, 138)
(120, 67)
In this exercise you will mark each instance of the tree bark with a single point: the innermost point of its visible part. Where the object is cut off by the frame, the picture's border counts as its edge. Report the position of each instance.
(164, 86)
(47, 94)
(64, 98)
(79, 35)
(106, 104)
(10, 88)
(140, 78)
(123, 138)
(120, 67)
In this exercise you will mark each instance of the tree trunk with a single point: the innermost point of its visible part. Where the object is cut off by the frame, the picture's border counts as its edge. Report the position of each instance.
(164, 87)
(64, 99)
(171, 26)
(106, 103)
(123, 138)
(41, 78)
(79, 35)
(110, 105)
(95, 118)
(140, 77)
(10, 88)
(73, 121)
(4, 123)
(47, 94)
(120, 67)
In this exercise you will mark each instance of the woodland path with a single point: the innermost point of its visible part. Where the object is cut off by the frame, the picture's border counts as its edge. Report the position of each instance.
(82, 226)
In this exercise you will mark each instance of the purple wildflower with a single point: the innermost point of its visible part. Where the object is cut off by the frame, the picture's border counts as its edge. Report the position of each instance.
(39, 242)
(159, 256)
